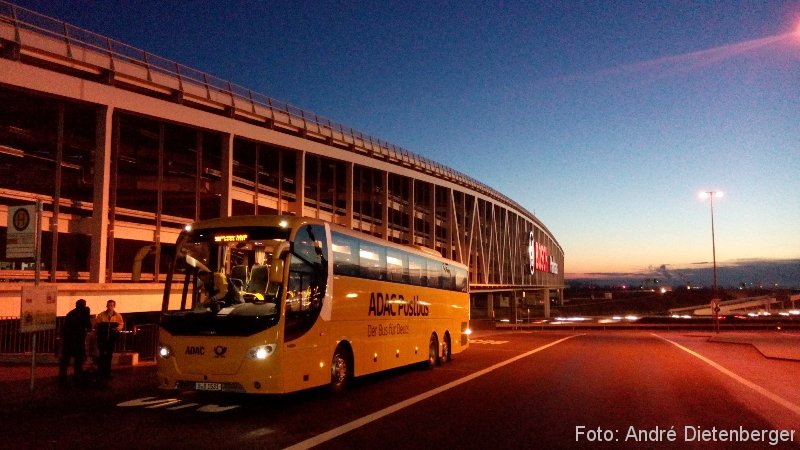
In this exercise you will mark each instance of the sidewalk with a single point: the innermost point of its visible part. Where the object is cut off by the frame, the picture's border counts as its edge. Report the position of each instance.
(15, 381)
(17, 366)
(771, 344)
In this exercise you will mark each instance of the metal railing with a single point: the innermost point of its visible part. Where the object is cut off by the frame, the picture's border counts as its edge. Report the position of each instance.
(105, 54)
(142, 339)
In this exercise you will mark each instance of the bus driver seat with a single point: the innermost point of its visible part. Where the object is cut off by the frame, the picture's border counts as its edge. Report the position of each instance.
(258, 280)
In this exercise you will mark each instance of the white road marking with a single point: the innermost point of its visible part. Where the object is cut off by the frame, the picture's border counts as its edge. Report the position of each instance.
(774, 397)
(216, 408)
(346, 428)
(486, 341)
(169, 402)
(147, 401)
(258, 433)
(173, 404)
(184, 406)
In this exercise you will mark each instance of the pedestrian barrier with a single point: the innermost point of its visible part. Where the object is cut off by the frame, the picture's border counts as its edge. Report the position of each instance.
(141, 340)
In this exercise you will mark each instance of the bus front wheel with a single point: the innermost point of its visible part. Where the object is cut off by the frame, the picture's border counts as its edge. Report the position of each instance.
(341, 370)
(433, 352)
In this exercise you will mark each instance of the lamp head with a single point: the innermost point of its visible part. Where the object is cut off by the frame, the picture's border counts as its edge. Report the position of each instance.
(706, 194)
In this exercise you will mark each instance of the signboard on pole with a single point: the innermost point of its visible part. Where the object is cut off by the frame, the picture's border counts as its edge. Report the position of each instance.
(37, 309)
(21, 235)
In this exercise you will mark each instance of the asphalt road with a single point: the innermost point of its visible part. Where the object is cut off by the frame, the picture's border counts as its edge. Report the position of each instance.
(628, 389)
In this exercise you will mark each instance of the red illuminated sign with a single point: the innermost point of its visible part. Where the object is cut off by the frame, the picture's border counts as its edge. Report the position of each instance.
(539, 257)
(542, 258)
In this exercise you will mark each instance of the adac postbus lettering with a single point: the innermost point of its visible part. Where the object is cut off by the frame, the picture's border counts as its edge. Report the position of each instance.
(381, 304)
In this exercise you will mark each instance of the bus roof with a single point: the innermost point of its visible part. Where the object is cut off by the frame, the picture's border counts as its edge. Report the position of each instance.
(287, 221)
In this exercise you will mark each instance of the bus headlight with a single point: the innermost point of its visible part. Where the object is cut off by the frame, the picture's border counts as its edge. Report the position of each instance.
(164, 351)
(261, 352)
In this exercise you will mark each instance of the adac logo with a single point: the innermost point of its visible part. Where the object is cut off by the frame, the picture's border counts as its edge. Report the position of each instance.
(219, 351)
(195, 350)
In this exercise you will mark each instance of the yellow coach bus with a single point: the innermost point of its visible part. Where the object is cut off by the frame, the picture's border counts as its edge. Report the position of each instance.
(275, 304)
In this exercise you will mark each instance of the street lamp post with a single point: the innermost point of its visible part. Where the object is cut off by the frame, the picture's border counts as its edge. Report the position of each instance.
(710, 195)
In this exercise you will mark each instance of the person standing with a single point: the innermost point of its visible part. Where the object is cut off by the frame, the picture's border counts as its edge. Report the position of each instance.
(73, 342)
(109, 324)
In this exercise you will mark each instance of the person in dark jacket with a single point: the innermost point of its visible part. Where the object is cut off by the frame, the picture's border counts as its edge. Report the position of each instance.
(73, 341)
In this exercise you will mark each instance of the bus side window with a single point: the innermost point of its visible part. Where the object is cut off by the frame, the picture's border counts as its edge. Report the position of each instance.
(396, 266)
(417, 270)
(345, 255)
(434, 273)
(296, 296)
(372, 260)
(461, 279)
(448, 279)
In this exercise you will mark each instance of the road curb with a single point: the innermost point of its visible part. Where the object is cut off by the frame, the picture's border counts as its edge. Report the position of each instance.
(773, 346)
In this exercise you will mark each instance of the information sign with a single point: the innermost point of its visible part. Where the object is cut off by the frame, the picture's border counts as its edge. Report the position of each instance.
(37, 309)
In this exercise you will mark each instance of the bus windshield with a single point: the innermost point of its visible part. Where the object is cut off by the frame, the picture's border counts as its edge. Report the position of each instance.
(225, 273)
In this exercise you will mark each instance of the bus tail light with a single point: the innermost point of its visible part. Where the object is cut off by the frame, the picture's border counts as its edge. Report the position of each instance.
(465, 332)
(261, 352)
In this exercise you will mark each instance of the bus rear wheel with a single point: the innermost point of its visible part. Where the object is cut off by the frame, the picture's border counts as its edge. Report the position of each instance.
(446, 351)
(341, 370)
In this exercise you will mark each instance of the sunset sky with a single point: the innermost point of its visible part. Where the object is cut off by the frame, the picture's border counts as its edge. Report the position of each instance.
(603, 118)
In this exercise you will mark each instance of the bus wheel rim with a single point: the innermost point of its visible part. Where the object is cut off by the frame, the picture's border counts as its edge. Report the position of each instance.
(339, 370)
(433, 352)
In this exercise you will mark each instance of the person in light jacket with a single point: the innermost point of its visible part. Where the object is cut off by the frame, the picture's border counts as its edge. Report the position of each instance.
(109, 323)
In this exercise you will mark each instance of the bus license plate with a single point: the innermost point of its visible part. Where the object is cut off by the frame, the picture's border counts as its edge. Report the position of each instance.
(208, 386)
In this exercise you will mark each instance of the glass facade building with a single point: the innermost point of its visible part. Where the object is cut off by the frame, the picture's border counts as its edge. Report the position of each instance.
(124, 148)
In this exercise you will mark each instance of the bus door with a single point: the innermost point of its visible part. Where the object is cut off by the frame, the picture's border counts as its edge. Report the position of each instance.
(305, 332)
